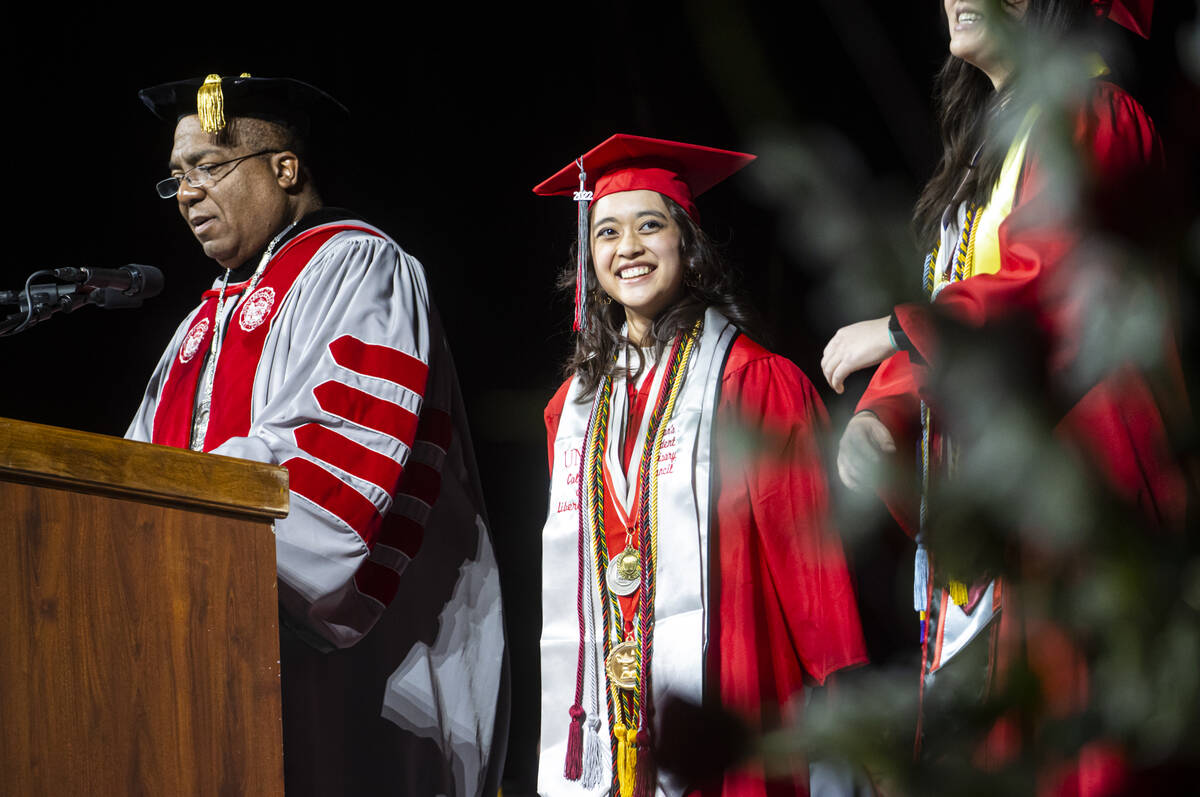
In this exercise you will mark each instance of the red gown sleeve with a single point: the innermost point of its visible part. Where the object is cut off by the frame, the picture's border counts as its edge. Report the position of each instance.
(787, 608)
(1042, 264)
(894, 396)
(1119, 154)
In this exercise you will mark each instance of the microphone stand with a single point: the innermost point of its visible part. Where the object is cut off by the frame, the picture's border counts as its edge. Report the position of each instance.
(45, 299)
(36, 309)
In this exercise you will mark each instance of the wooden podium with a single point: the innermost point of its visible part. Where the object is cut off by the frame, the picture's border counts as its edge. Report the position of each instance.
(139, 648)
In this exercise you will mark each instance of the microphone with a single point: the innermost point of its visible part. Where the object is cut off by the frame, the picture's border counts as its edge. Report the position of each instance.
(131, 280)
(109, 288)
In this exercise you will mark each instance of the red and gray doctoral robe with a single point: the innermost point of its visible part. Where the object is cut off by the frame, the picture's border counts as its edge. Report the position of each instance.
(335, 366)
(780, 607)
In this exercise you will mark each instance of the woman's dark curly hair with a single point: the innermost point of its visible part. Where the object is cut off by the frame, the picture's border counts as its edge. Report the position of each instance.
(707, 283)
(969, 109)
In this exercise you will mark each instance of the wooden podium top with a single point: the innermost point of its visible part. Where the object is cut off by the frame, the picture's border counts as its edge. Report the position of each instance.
(94, 463)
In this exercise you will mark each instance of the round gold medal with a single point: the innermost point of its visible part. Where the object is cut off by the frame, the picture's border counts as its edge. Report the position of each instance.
(622, 665)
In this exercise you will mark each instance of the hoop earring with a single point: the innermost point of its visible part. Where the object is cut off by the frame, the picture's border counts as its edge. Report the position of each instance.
(690, 277)
(602, 298)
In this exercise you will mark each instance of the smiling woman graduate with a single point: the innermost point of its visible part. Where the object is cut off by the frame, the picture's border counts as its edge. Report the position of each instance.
(688, 547)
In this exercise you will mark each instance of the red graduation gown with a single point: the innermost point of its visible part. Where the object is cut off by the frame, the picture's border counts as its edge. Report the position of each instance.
(787, 613)
(1118, 423)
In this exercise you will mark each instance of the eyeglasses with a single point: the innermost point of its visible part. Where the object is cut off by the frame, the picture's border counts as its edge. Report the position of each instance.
(204, 174)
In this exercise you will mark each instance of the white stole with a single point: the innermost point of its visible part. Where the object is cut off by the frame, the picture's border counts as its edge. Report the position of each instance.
(681, 592)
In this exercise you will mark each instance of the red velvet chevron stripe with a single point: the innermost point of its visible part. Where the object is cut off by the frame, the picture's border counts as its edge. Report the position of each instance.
(354, 458)
(422, 482)
(402, 533)
(377, 581)
(335, 496)
(366, 410)
(381, 362)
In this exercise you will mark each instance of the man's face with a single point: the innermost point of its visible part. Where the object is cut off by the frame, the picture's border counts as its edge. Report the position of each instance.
(235, 214)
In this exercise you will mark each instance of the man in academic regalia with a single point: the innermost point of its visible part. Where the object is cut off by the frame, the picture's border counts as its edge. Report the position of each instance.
(318, 349)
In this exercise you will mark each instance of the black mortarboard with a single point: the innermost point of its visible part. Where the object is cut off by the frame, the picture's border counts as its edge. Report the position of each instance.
(213, 98)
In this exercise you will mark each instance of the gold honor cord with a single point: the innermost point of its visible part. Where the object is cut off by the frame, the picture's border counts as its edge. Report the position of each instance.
(964, 267)
(627, 662)
(649, 578)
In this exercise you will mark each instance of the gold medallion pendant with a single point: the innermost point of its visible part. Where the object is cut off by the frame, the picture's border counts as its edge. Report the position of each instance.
(624, 572)
(622, 665)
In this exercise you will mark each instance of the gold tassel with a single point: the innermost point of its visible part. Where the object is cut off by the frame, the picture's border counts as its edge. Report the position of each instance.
(958, 593)
(630, 777)
(210, 105)
(624, 776)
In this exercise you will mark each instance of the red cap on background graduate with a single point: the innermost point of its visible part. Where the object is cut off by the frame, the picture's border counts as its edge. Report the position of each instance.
(1132, 14)
(635, 163)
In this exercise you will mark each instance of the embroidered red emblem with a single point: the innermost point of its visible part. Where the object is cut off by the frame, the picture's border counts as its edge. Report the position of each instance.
(256, 309)
(191, 343)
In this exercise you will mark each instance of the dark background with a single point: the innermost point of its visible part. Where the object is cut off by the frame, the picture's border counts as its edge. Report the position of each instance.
(456, 115)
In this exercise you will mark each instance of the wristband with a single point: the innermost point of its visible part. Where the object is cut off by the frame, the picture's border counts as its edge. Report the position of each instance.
(896, 334)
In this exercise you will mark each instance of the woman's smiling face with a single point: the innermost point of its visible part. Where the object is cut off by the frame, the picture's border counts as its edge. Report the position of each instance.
(636, 255)
(976, 37)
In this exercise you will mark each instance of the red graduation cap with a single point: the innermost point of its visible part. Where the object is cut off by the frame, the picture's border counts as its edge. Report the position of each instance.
(635, 163)
(1132, 14)
(632, 163)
